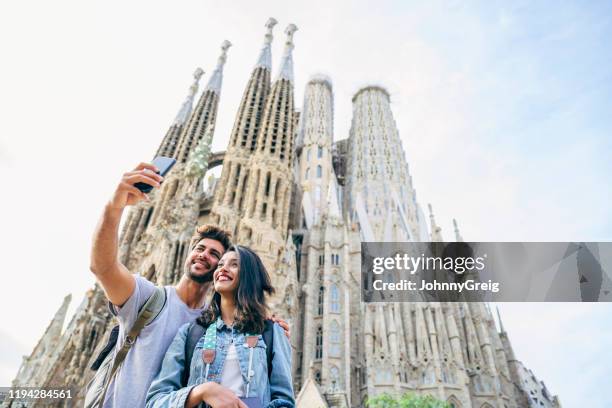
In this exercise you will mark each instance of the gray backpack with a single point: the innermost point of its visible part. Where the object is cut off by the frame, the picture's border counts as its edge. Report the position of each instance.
(107, 368)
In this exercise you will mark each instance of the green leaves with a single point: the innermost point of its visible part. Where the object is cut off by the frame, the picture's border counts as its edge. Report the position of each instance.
(405, 401)
(198, 159)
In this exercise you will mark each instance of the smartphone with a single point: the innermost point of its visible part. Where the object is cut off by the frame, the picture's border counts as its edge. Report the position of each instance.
(164, 164)
(252, 402)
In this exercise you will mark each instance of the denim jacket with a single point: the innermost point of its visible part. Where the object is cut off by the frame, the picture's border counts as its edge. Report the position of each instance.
(166, 391)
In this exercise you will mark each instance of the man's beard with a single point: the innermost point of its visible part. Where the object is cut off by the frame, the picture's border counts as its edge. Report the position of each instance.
(207, 277)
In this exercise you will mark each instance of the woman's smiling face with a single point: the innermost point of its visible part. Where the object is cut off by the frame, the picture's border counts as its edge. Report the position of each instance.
(227, 274)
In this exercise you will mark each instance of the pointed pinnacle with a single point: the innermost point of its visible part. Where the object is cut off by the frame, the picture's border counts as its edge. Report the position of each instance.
(198, 73)
(501, 325)
(290, 30)
(431, 214)
(223, 57)
(270, 25)
(458, 236)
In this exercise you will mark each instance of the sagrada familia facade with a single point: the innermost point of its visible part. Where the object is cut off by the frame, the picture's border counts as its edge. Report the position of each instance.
(305, 203)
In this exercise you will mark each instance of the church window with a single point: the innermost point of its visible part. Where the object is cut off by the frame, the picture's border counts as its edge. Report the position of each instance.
(320, 302)
(335, 299)
(428, 376)
(383, 376)
(268, 184)
(334, 339)
(317, 377)
(307, 173)
(335, 259)
(319, 171)
(334, 375)
(321, 260)
(308, 155)
(319, 344)
(319, 152)
(478, 384)
(148, 219)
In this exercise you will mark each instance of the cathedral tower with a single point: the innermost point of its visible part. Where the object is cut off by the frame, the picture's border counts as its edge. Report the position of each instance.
(205, 113)
(324, 344)
(229, 198)
(268, 191)
(314, 144)
(34, 366)
(380, 193)
(168, 146)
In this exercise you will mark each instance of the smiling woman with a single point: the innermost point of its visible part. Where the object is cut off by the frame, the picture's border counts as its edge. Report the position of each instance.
(241, 283)
(243, 358)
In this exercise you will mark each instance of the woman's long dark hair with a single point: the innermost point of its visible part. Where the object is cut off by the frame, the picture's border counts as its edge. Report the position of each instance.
(253, 284)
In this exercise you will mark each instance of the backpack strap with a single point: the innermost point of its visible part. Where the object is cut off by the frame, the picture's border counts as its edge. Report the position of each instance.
(151, 309)
(194, 333)
(268, 338)
(108, 348)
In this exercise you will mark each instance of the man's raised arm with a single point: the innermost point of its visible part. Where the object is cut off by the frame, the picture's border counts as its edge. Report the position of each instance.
(115, 278)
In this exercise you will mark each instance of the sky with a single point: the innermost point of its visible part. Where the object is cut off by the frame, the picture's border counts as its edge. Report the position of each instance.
(503, 109)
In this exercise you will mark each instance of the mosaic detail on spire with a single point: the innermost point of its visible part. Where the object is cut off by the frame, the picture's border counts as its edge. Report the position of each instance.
(215, 81)
(286, 67)
(265, 56)
(185, 110)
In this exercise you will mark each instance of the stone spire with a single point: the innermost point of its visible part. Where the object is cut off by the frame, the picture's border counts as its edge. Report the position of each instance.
(215, 81)
(458, 236)
(286, 67)
(265, 56)
(377, 184)
(185, 111)
(270, 175)
(205, 113)
(55, 327)
(315, 172)
(436, 232)
(168, 146)
(229, 199)
(46, 348)
(501, 324)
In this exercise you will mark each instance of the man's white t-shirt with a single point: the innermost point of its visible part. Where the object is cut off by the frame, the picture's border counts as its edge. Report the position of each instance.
(143, 361)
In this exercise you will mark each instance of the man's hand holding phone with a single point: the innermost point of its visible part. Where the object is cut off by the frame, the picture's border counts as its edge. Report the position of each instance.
(126, 194)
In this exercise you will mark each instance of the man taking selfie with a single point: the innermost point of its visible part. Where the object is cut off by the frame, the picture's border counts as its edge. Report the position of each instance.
(128, 293)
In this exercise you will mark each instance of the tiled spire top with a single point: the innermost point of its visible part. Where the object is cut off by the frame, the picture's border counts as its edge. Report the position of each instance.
(436, 232)
(286, 69)
(458, 236)
(215, 81)
(185, 110)
(431, 216)
(501, 325)
(265, 56)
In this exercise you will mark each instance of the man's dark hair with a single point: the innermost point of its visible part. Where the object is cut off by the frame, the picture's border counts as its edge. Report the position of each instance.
(211, 232)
